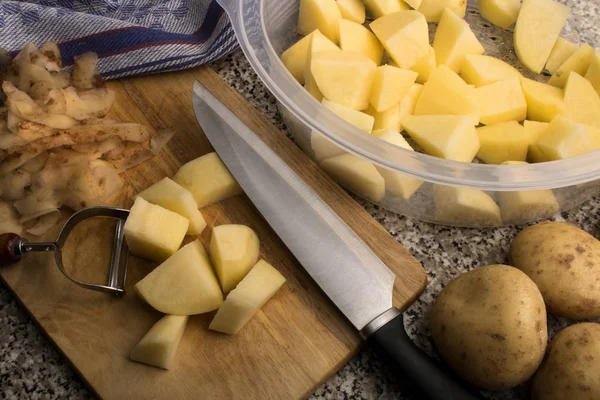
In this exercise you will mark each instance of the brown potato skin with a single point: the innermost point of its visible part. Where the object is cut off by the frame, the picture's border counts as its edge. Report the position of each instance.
(489, 325)
(571, 369)
(564, 262)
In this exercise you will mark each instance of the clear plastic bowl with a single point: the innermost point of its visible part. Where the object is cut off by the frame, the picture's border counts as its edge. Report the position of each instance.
(523, 193)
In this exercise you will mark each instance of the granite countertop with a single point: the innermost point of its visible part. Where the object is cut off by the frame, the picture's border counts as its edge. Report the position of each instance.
(31, 368)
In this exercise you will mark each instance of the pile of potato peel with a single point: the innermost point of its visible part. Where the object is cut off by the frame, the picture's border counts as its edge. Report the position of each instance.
(56, 148)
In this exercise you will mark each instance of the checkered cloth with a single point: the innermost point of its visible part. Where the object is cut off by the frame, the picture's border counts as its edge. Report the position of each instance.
(130, 36)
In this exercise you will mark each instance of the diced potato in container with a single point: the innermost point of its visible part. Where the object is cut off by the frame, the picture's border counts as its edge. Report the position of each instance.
(562, 50)
(501, 101)
(356, 174)
(517, 207)
(538, 26)
(400, 185)
(452, 137)
(319, 14)
(185, 284)
(454, 40)
(578, 62)
(172, 196)
(544, 101)
(432, 9)
(404, 35)
(390, 85)
(564, 139)
(322, 147)
(408, 103)
(379, 8)
(344, 77)
(355, 37)
(252, 293)
(208, 179)
(153, 232)
(352, 10)
(593, 72)
(318, 43)
(461, 206)
(535, 130)
(502, 142)
(159, 345)
(312, 88)
(294, 58)
(480, 70)
(388, 119)
(582, 103)
(502, 13)
(414, 4)
(425, 66)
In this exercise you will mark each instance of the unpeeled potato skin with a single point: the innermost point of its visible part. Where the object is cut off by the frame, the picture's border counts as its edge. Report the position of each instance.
(564, 262)
(571, 369)
(489, 325)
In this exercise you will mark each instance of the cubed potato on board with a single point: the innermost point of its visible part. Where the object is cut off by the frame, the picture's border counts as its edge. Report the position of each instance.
(159, 345)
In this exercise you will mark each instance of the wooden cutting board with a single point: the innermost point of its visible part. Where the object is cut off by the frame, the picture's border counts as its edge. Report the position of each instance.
(288, 349)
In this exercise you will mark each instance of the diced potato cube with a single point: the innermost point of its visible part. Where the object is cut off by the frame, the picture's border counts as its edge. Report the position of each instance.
(501, 101)
(502, 142)
(454, 40)
(544, 101)
(432, 9)
(425, 66)
(480, 70)
(234, 250)
(593, 72)
(538, 26)
(535, 130)
(578, 62)
(184, 284)
(502, 13)
(390, 85)
(318, 43)
(446, 93)
(562, 50)
(465, 207)
(415, 4)
(356, 174)
(359, 119)
(352, 10)
(564, 139)
(525, 206)
(401, 185)
(582, 103)
(153, 232)
(355, 37)
(452, 137)
(405, 36)
(208, 179)
(312, 88)
(322, 147)
(379, 8)
(159, 345)
(294, 58)
(319, 14)
(250, 295)
(408, 103)
(385, 120)
(344, 77)
(172, 196)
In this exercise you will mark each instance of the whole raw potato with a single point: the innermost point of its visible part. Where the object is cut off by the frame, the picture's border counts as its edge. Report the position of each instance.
(564, 262)
(571, 370)
(489, 325)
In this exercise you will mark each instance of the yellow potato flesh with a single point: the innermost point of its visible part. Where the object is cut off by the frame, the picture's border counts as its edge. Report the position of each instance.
(561, 51)
(379, 8)
(581, 102)
(153, 232)
(538, 26)
(409, 102)
(352, 10)
(208, 179)
(356, 174)
(414, 4)
(593, 72)
(234, 250)
(312, 88)
(172, 196)
(355, 37)
(390, 85)
(432, 9)
(544, 101)
(319, 14)
(502, 142)
(318, 43)
(480, 70)
(398, 184)
(501, 101)
(578, 62)
(454, 40)
(564, 139)
(388, 119)
(294, 58)
(452, 137)
(425, 66)
(250, 295)
(159, 345)
(467, 207)
(184, 284)
(502, 13)
(405, 36)
(535, 130)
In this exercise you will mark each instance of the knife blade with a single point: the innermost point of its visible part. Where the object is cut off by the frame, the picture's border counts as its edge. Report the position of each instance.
(346, 269)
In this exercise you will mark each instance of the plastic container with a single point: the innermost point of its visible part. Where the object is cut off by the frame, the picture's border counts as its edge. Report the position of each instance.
(519, 193)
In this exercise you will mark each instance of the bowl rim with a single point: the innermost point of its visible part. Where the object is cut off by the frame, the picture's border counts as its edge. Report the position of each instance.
(266, 63)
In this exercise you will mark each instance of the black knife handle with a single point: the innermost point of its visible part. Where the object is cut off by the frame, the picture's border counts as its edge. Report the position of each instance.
(393, 344)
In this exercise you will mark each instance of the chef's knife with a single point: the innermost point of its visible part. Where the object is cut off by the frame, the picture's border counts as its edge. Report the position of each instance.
(347, 270)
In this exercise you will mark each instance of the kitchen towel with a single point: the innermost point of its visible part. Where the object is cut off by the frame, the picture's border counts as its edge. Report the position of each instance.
(130, 36)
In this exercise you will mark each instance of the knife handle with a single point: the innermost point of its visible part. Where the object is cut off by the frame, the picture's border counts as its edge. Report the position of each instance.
(8, 254)
(392, 343)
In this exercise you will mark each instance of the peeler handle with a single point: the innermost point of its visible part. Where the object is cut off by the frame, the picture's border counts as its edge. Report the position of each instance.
(9, 243)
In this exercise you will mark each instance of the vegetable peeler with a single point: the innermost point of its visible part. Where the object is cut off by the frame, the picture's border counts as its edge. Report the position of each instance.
(13, 248)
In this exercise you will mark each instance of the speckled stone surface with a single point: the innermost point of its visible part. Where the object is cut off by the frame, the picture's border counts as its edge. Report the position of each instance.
(31, 368)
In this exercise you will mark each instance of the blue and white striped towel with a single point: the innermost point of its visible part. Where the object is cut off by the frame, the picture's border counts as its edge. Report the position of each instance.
(130, 36)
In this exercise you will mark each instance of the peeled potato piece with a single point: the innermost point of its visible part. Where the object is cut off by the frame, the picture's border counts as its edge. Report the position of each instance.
(465, 207)
(501, 101)
(480, 70)
(400, 185)
(294, 58)
(356, 174)
(544, 101)
(506, 141)
(581, 102)
(578, 62)
(561, 51)
(454, 40)
(379, 8)
(352, 10)
(159, 345)
(433, 9)
(502, 13)
(319, 14)
(593, 72)
(564, 139)
(425, 66)
(355, 37)
(390, 85)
